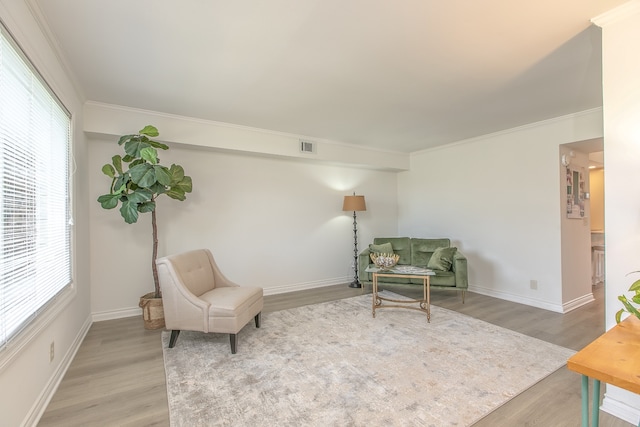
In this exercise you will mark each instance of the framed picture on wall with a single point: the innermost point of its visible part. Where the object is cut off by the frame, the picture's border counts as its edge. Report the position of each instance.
(575, 192)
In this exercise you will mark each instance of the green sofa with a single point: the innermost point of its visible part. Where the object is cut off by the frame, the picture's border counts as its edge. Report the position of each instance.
(418, 252)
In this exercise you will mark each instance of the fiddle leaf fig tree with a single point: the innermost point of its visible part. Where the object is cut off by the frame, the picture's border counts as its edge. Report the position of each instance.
(138, 179)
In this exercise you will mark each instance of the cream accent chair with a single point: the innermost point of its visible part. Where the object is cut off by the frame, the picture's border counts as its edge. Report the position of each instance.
(197, 297)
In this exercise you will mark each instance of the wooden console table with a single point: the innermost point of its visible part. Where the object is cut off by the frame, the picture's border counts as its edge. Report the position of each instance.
(613, 358)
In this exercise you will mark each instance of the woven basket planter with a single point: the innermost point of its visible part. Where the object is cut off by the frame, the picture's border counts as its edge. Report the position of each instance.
(152, 311)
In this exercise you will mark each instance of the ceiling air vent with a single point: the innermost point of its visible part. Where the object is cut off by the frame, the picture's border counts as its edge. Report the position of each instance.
(307, 146)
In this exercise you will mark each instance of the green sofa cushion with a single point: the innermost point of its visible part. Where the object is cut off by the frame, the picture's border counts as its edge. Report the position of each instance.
(422, 249)
(383, 248)
(442, 259)
(401, 246)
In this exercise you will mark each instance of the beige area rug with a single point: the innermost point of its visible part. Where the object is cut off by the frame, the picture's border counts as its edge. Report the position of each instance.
(332, 364)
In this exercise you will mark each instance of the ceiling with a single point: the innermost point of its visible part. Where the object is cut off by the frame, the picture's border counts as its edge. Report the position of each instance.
(395, 75)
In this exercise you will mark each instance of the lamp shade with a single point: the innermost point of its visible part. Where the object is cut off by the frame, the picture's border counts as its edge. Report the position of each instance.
(354, 203)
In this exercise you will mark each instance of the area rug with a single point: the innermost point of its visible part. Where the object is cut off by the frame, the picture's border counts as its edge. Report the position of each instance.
(333, 364)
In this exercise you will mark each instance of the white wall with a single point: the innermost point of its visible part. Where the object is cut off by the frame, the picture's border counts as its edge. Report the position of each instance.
(269, 221)
(498, 198)
(27, 378)
(621, 83)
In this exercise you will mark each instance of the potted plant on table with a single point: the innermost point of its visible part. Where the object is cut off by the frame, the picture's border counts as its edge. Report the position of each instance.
(628, 305)
(137, 180)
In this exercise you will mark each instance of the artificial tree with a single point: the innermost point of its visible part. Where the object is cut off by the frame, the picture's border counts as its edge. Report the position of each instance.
(138, 179)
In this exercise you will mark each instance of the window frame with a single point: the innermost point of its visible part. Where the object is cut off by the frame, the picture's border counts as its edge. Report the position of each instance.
(44, 315)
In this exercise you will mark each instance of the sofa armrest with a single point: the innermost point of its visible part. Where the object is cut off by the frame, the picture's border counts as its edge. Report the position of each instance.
(363, 262)
(459, 267)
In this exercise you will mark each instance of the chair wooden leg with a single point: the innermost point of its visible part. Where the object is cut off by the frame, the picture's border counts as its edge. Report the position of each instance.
(257, 319)
(233, 339)
(463, 294)
(174, 337)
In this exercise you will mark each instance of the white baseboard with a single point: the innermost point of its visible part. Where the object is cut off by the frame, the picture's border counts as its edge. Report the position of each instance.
(517, 298)
(116, 314)
(40, 405)
(578, 302)
(307, 285)
(274, 290)
(620, 409)
(564, 308)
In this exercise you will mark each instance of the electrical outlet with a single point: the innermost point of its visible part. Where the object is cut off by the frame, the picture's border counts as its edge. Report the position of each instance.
(533, 284)
(52, 351)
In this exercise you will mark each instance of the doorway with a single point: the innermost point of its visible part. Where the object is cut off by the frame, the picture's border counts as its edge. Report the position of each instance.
(596, 189)
(583, 221)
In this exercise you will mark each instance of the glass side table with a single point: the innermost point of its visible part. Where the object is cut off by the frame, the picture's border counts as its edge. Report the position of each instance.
(406, 272)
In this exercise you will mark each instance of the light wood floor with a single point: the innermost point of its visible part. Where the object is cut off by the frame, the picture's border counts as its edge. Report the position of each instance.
(117, 377)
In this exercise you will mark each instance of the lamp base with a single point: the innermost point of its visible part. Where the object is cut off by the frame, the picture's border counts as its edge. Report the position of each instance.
(355, 284)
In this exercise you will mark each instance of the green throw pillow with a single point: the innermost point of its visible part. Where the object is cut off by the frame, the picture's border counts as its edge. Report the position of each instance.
(442, 259)
(384, 248)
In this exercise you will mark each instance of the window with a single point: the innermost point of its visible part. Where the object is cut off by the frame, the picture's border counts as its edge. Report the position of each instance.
(35, 230)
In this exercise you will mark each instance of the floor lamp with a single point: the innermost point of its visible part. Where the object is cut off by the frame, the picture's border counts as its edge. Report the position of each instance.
(356, 204)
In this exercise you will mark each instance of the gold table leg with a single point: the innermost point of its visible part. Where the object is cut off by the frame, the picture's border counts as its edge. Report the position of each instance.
(424, 303)
(374, 293)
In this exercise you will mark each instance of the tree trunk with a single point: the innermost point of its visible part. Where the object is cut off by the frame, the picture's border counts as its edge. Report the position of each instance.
(154, 268)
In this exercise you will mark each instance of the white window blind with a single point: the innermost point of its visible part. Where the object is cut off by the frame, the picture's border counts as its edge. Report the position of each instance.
(35, 258)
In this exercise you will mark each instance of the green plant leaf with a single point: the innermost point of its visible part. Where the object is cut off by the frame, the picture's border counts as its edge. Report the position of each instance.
(109, 201)
(150, 130)
(117, 163)
(146, 207)
(136, 162)
(127, 158)
(176, 193)
(629, 307)
(185, 185)
(129, 212)
(159, 145)
(157, 188)
(149, 154)
(635, 286)
(619, 315)
(133, 146)
(163, 175)
(121, 182)
(119, 190)
(109, 171)
(177, 173)
(178, 190)
(143, 175)
(124, 138)
(141, 195)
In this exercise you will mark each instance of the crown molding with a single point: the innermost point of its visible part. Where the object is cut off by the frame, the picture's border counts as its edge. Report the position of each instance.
(534, 125)
(617, 14)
